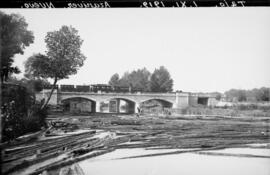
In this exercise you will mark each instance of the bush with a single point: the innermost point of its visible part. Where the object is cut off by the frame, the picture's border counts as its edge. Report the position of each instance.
(35, 120)
(19, 112)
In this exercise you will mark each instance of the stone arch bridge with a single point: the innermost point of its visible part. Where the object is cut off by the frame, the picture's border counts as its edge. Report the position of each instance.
(134, 100)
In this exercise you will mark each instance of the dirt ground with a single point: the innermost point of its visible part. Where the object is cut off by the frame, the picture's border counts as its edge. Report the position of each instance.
(72, 138)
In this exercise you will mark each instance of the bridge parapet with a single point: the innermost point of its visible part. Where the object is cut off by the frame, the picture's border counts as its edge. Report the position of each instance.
(128, 93)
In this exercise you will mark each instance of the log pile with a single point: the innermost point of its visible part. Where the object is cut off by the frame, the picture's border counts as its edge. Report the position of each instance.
(63, 144)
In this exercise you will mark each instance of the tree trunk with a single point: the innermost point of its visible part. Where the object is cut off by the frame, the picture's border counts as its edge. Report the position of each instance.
(48, 99)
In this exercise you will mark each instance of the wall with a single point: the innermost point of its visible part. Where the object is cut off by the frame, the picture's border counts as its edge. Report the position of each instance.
(181, 100)
(80, 106)
(193, 100)
(212, 101)
(45, 94)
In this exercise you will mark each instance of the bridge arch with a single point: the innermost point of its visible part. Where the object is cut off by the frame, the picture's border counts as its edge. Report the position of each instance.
(120, 105)
(79, 104)
(163, 102)
(155, 105)
(121, 98)
(78, 96)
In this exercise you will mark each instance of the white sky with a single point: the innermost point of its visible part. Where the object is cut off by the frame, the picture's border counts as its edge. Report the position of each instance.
(204, 49)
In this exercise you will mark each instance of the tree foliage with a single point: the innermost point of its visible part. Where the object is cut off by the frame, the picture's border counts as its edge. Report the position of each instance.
(140, 79)
(63, 57)
(20, 113)
(33, 85)
(262, 94)
(114, 81)
(236, 95)
(161, 80)
(218, 96)
(14, 38)
(136, 79)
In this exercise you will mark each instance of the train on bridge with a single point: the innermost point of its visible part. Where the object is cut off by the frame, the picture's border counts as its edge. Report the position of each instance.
(96, 88)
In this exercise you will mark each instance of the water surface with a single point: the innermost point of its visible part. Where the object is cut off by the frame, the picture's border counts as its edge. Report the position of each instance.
(175, 164)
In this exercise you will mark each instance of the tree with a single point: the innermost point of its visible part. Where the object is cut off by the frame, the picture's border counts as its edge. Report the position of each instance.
(161, 80)
(14, 38)
(125, 80)
(266, 94)
(62, 59)
(217, 95)
(33, 85)
(140, 79)
(263, 94)
(114, 81)
(20, 113)
(136, 79)
(242, 95)
(238, 94)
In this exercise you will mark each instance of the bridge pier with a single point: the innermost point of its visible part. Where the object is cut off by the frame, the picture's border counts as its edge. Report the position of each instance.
(117, 105)
(97, 106)
(136, 106)
(176, 103)
(181, 100)
(114, 105)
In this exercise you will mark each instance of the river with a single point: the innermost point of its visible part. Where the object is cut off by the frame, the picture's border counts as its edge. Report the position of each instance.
(231, 161)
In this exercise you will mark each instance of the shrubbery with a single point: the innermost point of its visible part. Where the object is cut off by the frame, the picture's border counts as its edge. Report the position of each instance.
(20, 113)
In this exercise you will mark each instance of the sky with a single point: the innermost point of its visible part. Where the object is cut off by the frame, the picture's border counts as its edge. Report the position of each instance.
(204, 49)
